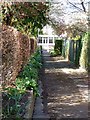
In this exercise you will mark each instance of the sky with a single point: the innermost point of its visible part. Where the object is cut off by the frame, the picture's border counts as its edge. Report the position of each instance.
(68, 9)
(48, 30)
(72, 14)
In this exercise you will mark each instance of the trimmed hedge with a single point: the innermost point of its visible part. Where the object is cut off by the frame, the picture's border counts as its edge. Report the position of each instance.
(25, 84)
(58, 47)
(85, 53)
(16, 50)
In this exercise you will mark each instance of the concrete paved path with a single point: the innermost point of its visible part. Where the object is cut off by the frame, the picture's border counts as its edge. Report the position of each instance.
(63, 89)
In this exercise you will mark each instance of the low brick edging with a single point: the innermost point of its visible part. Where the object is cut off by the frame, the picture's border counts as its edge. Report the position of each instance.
(26, 104)
(30, 106)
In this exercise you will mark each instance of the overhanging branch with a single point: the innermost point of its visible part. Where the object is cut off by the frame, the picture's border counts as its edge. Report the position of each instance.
(82, 3)
(74, 5)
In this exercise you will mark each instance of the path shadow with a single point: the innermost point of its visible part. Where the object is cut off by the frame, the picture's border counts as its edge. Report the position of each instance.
(56, 62)
(64, 99)
(59, 64)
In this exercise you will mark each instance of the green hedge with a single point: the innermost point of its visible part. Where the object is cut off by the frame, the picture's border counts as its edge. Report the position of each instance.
(27, 80)
(85, 53)
(58, 47)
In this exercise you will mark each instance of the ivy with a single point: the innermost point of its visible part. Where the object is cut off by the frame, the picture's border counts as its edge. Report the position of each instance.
(27, 17)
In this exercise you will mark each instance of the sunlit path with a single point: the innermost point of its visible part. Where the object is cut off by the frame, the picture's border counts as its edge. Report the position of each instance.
(66, 89)
(45, 59)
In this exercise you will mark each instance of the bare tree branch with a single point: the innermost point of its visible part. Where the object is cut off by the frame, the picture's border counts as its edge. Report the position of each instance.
(82, 3)
(74, 5)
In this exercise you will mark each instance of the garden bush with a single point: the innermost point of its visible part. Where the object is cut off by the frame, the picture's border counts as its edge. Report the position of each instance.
(26, 80)
(85, 53)
(15, 53)
(58, 47)
(53, 53)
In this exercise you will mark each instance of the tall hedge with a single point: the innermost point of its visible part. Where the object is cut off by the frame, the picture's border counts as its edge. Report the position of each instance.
(58, 46)
(85, 53)
(16, 50)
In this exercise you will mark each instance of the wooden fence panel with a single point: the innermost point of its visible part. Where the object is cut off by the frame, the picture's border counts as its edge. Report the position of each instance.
(72, 50)
(78, 51)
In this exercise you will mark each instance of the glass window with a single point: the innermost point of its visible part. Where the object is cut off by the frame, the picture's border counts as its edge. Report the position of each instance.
(51, 40)
(40, 40)
(44, 40)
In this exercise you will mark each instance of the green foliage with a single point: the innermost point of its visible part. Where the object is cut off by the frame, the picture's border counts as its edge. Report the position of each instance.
(58, 47)
(15, 95)
(77, 37)
(27, 80)
(27, 17)
(85, 54)
(53, 53)
(28, 77)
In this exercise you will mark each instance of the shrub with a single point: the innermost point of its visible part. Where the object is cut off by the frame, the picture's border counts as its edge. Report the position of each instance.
(58, 47)
(28, 77)
(85, 53)
(27, 80)
(53, 53)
